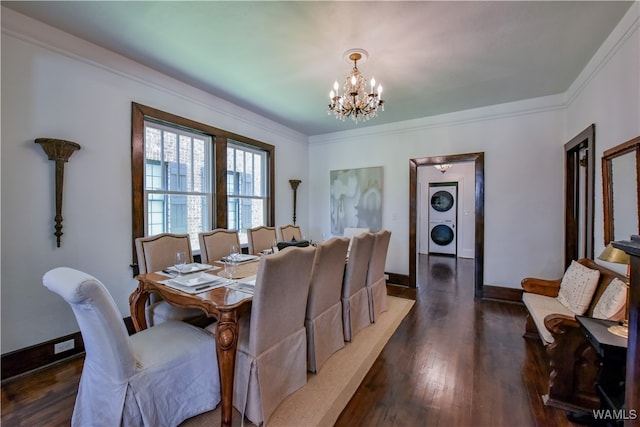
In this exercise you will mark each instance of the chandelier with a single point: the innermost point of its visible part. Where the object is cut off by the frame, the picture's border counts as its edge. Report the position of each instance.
(355, 102)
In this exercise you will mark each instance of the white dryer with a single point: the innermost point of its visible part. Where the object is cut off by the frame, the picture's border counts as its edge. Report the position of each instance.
(443, 202)
(442, 237)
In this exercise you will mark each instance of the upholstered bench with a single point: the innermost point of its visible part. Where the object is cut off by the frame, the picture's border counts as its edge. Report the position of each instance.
(586, 289)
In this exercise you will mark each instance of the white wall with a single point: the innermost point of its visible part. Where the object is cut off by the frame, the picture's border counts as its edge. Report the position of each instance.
(523, 176)
(607, 93)
(54, 85)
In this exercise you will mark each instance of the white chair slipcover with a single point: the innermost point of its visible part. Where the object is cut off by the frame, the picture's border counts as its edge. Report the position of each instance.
(325, 333)
(156, 253)
(355, 298)
(271, 360)
(290, 232)
(158, 377)
(261, 238)
(376, 282)
(216, 244)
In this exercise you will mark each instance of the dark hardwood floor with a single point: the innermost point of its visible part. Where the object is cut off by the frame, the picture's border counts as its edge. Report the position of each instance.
(454, 361)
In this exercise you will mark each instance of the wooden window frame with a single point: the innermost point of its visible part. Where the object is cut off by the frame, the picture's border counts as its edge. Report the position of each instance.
(219, 137)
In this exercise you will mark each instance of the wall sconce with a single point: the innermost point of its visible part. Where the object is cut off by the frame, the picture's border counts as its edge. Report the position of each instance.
(60, 151)
(294, 186)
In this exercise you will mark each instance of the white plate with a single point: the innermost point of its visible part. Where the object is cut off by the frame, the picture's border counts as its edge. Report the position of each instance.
(194, 267)
(243, 258)
(190, 280)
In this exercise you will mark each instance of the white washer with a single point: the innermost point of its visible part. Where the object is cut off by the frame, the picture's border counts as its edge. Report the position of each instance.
(442, 237)
(443, 202)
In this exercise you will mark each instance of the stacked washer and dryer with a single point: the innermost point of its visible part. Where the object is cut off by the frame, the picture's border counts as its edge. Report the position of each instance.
(443, 215)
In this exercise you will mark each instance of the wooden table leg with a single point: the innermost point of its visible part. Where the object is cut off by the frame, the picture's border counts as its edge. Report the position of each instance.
(226, 346)
(137, 303)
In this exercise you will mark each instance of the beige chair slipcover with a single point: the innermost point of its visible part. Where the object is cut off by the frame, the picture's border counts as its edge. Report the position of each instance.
(156, 253)
(216, 244)
(271, 360)
(157, 377)
(290, 232)
(355, 298)
(260, 238)
(325, 333)
(352, 232)
(376, 282)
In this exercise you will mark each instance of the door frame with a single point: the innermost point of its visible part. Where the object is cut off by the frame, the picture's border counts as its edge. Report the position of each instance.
(478, 160)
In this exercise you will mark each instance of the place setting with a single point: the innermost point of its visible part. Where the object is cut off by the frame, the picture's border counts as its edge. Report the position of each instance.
(191, 278)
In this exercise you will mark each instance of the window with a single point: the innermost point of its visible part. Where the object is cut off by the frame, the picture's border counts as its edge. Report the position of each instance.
(181, 175)
(177, 181)
(246, 188)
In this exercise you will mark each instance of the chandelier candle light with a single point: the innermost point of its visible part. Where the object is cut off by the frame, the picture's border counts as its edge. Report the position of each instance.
(355, 102)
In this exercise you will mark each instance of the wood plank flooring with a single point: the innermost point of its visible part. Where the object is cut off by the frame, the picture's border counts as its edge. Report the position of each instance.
(454, 361)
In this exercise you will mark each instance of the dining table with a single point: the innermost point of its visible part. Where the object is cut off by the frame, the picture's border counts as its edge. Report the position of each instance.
(224, 303)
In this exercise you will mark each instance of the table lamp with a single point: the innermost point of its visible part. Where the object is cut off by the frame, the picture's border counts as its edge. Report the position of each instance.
(611, 254)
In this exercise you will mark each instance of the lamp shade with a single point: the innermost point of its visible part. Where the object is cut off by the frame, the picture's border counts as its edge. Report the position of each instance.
(611, 254)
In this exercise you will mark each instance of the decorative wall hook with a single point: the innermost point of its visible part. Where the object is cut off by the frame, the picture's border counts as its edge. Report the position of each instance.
(294, 186)
(60, 151)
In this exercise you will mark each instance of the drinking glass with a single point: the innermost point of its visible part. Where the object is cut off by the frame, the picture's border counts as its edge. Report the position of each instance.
(181, 261)
(229, 269)
(234, 252)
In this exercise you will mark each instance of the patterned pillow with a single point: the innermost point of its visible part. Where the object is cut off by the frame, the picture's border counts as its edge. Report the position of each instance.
(612, 301)
(577, 287)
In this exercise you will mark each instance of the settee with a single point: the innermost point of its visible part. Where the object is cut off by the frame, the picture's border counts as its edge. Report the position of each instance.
(573, 362)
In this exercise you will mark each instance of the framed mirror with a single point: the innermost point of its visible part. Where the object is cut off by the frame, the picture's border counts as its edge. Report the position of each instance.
(621, 190)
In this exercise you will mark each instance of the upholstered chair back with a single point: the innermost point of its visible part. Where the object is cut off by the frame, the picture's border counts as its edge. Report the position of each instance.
(324, 308)
(216, 244)
(290, 232)
(376, 282)
(355, 297)
(355, 276)
(260, 238)
(326, 278)
(105, 336)
(271, 361)
(158, 252)
(280, 297)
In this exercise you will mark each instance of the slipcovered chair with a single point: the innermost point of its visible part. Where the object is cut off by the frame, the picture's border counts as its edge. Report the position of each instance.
(158, 377)
(352, 232)
(260, 238)
(290, 232)
(325, 334)
(271, 360)
(376, 282)
(216, 244)
(355, 298)
(156, 253)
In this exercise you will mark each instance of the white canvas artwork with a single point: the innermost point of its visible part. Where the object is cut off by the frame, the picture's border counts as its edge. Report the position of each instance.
(356, 199)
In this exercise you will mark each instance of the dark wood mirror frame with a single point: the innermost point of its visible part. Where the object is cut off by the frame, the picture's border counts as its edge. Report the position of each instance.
(631, 146)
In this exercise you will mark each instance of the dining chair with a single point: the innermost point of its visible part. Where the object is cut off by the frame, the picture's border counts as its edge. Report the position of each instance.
(271, 360)
(355, 298)
(156, 253)
(352, 232)
(216, 244)
(260, 238)
(157, 377)
(323, 321)
(376, 282)
(290, 232)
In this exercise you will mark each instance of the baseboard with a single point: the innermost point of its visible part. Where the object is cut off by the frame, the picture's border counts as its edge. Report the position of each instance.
(397, 279)
(501, 293)
(40, 355)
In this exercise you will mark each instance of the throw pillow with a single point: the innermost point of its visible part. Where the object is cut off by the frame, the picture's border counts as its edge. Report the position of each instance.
(612, 301)
(577, 287)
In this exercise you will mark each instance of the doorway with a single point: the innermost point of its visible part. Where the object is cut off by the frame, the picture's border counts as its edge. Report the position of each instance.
(478, 161)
